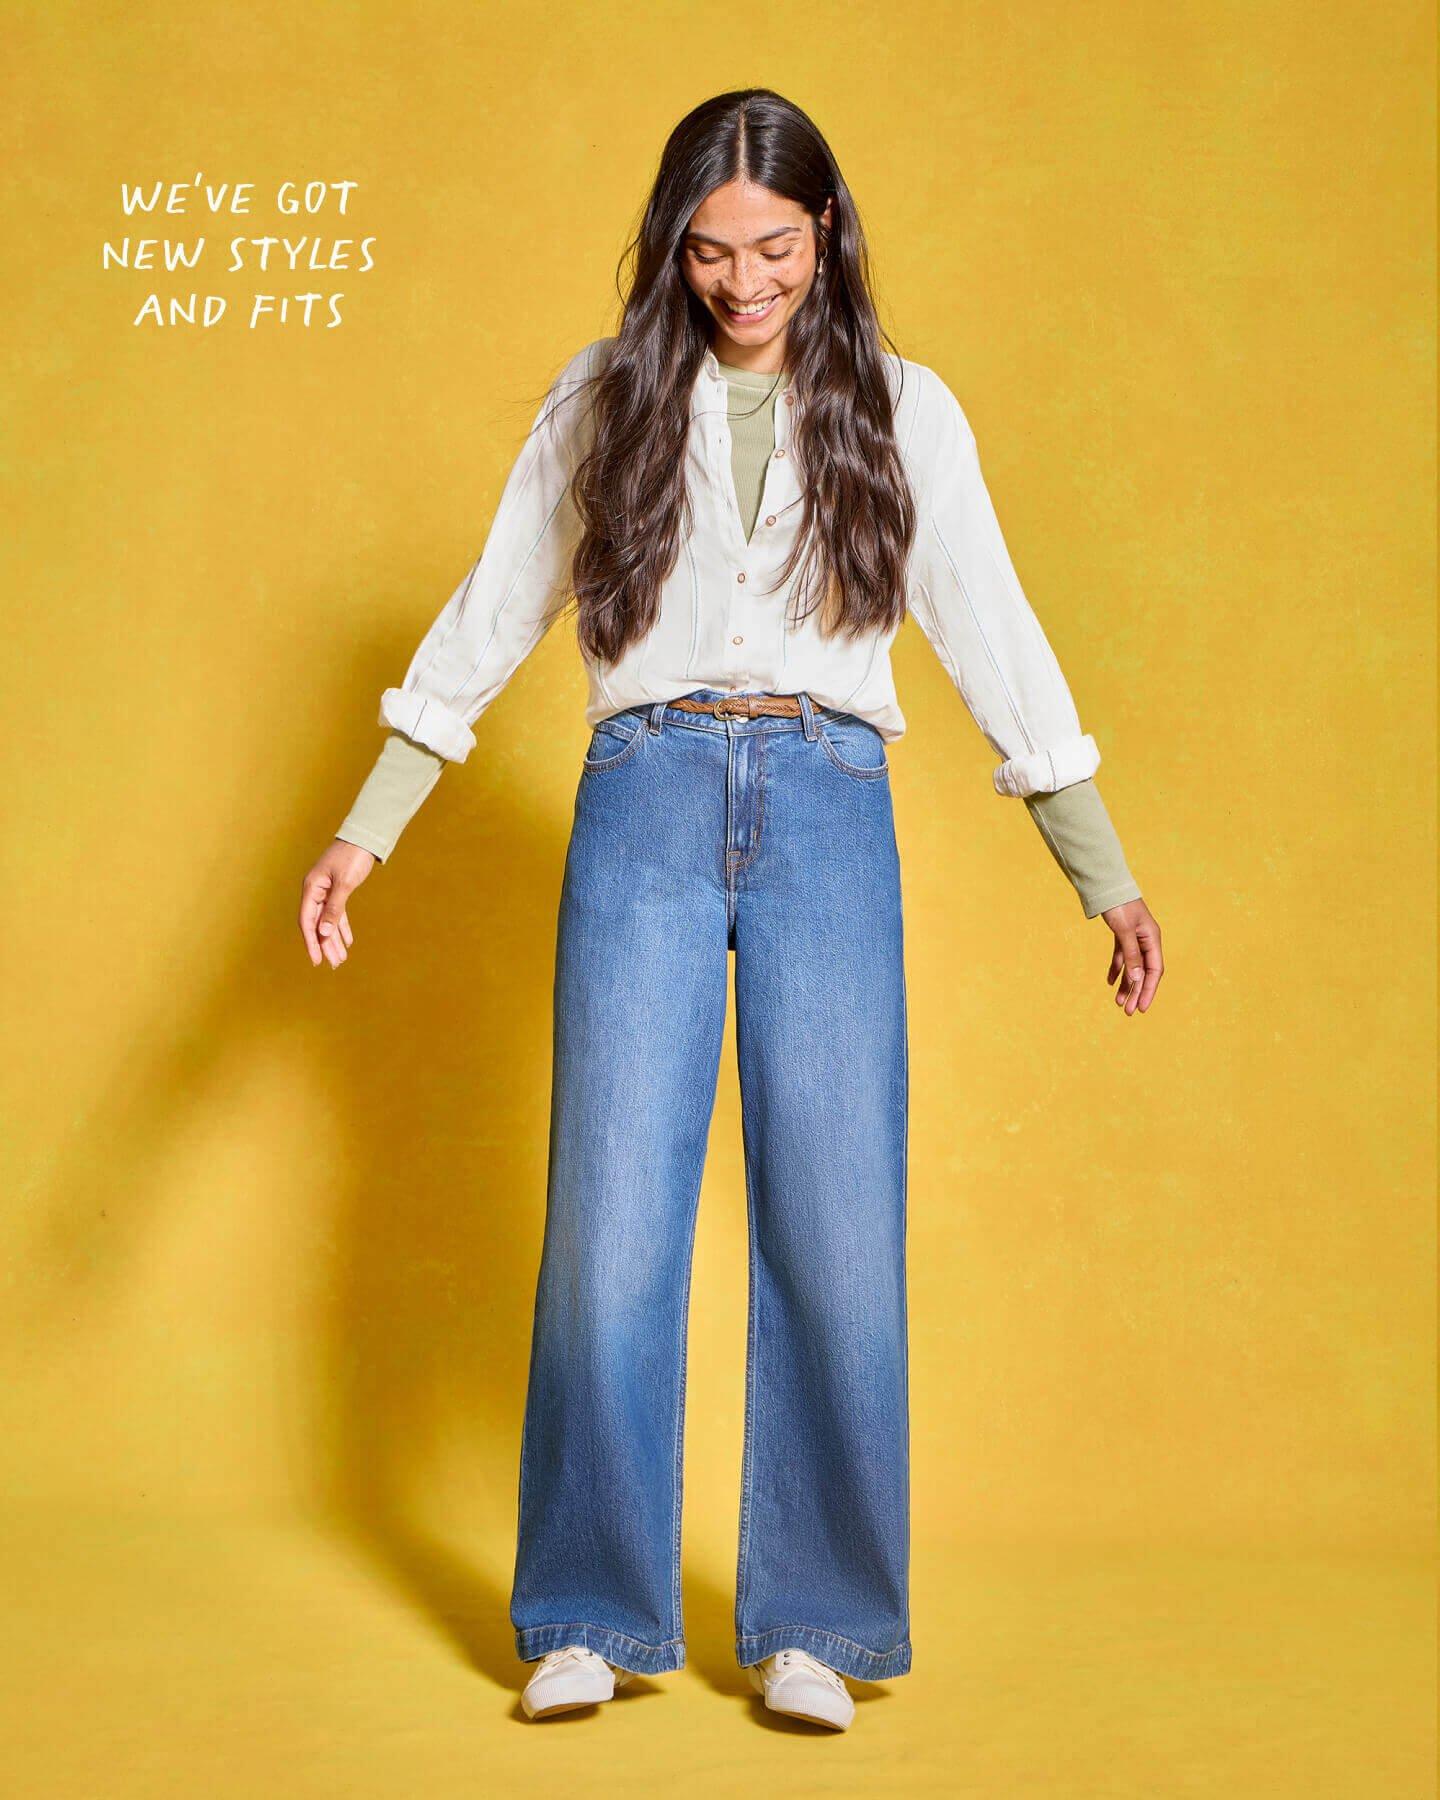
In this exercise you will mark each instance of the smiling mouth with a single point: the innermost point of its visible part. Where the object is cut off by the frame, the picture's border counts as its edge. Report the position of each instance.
(743, 313)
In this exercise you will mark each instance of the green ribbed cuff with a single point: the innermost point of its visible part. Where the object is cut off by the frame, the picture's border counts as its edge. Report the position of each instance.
(1077, 828)
(393, 793)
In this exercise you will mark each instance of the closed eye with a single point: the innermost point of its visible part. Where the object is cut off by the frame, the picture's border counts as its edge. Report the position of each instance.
(768, 257)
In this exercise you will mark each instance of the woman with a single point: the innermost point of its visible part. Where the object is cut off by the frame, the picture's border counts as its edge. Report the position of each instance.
(743, 492)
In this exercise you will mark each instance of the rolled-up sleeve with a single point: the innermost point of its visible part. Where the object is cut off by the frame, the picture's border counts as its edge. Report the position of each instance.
(967, 599)
(511, 595)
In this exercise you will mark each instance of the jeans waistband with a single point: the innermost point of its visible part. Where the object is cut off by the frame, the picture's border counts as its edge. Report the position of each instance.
(662, 714)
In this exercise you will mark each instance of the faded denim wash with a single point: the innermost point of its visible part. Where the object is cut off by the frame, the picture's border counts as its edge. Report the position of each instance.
(693, 837)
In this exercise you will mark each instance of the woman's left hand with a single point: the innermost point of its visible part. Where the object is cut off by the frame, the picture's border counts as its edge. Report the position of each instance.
(1137, 957)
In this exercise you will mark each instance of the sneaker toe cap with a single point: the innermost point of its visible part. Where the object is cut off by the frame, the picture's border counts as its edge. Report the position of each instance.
(808, 1698)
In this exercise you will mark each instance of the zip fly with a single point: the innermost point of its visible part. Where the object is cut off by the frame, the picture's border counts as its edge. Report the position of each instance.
(744, 810)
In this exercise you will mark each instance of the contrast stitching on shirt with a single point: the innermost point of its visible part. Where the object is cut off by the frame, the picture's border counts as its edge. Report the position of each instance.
(954, 555)
(785, 599)
(980, 629)
(914, 417)
(480, 654)
(992, 537)
(534, 445)
(935, 631)
(535, 637)
(694, 605)
(464, 596)
(869, 665)
(647, 647)
(934, 524)
(1017, 598)
(533, 450)
(451, 629)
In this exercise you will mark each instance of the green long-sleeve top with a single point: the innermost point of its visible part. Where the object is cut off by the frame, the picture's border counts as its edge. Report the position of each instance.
(1073, 820)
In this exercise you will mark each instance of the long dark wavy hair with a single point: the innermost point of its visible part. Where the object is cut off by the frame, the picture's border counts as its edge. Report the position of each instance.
(629, 488)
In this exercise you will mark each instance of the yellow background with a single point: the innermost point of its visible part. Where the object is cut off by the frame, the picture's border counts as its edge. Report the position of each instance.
(271, 1232)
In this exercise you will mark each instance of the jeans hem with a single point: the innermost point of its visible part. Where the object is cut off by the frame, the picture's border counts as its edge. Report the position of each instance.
(534, 1641)
(836, 1652)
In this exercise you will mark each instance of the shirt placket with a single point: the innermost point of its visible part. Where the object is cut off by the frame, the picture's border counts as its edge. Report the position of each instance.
(751, 566)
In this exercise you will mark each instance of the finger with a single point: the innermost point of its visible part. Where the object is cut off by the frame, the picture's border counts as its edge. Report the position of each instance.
(312, 900)
(1117, 963)
(329, 926)
(1127, 991)
(345, 930)
(1134, 983)
(1154, 968)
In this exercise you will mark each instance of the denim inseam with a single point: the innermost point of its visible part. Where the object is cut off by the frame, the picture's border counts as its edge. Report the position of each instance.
(694, 837)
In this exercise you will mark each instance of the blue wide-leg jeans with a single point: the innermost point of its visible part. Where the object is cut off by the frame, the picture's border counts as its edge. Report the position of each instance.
(694, 837)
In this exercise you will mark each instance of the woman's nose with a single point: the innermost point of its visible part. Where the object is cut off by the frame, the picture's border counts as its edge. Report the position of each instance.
(750, 280)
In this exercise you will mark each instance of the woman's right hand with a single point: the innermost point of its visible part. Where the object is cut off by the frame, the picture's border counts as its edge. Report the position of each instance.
(324, 924)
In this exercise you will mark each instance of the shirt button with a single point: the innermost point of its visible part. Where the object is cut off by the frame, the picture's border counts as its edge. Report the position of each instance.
(770, 520)
(789, 399)
(737, 640)
(779, 452)
(740, 576)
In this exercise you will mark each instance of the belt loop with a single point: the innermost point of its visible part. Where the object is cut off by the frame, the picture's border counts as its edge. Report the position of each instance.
(807, 714)
(657, 717)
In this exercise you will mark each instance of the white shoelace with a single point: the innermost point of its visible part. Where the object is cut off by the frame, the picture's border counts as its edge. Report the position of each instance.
(787, 1661)
(556, 1659)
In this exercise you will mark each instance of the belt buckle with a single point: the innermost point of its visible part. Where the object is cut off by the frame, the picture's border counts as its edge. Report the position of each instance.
(733, 703)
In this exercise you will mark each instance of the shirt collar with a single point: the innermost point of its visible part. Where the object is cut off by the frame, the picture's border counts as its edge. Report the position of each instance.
(708, 374)
(707, 392)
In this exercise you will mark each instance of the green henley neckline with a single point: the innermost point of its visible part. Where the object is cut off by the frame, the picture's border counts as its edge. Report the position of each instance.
(759, 379)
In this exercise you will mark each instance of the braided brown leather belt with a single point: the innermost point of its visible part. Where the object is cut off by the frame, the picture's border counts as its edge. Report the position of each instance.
(749, 706)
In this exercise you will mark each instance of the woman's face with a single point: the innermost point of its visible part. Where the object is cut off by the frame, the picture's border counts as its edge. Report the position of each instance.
(751, 249)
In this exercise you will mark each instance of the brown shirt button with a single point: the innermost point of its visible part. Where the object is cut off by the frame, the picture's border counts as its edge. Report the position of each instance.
(771, 519)
(740, 576)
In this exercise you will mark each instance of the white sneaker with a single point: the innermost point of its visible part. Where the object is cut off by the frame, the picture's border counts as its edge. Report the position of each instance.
(565, 1679)
(797, 1683)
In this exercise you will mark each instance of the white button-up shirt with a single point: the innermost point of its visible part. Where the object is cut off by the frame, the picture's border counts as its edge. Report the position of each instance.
(719, 626)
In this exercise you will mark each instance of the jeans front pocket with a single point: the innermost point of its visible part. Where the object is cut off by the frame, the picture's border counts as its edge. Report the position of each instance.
(612, 742)
(854, 746)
